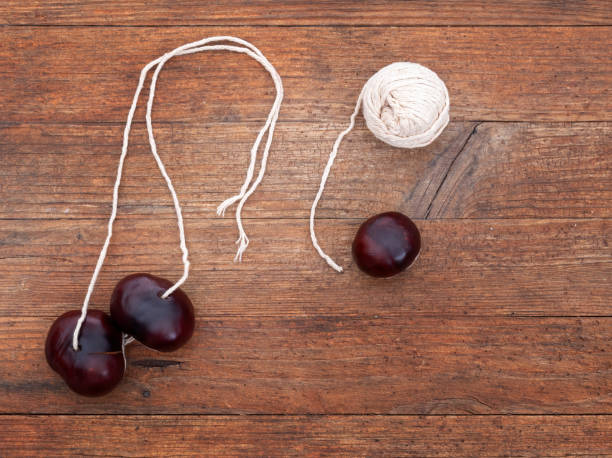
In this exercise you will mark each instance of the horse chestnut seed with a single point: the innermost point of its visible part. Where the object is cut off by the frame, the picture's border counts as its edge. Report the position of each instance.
(98, 365)
(386, 244)
(139, 310)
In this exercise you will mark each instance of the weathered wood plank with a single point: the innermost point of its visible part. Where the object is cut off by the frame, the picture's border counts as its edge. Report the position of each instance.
(266, 12)
(490, 170)
(516, 219)
(67, 171)
(529, 171)
(336, 364)
(480, 267)
(76, 74)
(307, 435)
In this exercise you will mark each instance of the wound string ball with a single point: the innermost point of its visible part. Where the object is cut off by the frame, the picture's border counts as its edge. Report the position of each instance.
(87, 350)
(405, 105)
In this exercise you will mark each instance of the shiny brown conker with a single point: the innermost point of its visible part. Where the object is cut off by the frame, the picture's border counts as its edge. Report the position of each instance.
(139, 310)
(386, 244)
(98, 365)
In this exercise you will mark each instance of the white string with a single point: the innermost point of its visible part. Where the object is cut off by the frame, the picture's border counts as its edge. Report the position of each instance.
(405, 105)
(127, 339)
(245, 192)
(328, 167)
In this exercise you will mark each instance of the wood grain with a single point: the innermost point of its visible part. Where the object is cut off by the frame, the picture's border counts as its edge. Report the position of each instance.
(487, 170)
(306, 436)
(372, 363)
(266, 12)
(529, 171)
(497, 343)
(480, 267)
(82, 74)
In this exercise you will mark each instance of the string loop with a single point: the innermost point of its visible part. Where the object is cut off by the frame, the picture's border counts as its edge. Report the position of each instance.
(238, 46)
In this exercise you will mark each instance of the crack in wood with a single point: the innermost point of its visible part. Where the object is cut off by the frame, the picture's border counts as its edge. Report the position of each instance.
(461, 149)
(155, 363)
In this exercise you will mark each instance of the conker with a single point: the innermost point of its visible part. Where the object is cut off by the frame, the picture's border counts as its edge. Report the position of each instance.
(139, 310)
(98, 365)
(386, 244)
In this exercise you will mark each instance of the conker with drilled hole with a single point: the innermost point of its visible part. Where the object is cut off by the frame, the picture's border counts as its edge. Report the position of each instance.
(98, 365)
(140, 311)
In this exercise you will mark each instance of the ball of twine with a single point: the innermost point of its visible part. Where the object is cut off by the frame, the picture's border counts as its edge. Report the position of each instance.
(405, 105)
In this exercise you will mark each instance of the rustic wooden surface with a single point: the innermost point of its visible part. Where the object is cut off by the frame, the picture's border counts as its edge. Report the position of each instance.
(497, 342)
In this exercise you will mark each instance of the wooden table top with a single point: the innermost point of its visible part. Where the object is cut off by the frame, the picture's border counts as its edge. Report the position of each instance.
(497, 342)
